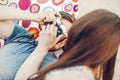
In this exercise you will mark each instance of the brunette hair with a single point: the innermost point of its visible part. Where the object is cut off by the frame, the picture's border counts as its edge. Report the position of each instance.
(92, 41)
(67, 16)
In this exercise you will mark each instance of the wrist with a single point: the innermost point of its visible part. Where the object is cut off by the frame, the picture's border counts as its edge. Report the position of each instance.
(33, 16)
(43, 46)
(38, 17)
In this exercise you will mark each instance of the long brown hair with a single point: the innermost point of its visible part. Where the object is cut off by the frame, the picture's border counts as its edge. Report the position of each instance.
(92, 41)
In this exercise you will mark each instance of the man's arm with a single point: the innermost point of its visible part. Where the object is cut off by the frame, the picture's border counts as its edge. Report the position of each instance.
(6, 28)
(32, 63)
(8, 13)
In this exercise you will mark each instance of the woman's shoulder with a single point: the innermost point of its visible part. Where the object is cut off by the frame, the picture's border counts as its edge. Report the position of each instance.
(70, 73)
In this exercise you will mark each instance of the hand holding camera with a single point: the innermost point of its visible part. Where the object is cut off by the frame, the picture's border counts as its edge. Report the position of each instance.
(59, 25)
(46, 16)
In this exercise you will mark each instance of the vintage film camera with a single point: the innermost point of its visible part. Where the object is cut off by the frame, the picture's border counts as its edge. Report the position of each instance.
(61, 28)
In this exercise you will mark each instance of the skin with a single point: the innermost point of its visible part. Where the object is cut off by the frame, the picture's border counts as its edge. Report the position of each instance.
(9, 14)
(59, 45)
(40, 52)
(7, 27)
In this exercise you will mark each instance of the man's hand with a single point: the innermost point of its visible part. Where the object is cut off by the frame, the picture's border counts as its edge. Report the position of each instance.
(48, 36)
(47, 16)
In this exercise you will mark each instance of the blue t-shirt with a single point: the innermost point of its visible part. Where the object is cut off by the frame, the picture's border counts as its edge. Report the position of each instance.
(17, 48)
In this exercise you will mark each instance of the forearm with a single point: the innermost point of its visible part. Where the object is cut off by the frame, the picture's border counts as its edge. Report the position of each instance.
(8, 13)
(31, 65)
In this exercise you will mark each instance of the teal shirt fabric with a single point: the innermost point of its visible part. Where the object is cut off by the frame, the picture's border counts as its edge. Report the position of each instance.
(16, 50)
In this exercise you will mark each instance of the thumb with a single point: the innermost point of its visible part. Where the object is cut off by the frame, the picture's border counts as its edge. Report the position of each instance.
(60, 38)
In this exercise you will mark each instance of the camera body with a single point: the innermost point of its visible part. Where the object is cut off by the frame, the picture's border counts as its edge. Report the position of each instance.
(61, 28)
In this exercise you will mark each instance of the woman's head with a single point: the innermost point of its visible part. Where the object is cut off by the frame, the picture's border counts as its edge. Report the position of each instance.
(93, 40)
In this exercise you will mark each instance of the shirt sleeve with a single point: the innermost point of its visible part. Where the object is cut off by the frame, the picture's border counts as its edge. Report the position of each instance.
(49, 59)
(19, 33)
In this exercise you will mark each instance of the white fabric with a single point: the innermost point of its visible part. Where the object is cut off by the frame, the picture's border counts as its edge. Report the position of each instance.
(82, 69)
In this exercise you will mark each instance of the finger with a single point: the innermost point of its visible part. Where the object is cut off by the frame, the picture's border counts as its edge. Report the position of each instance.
(43, 29)
(51, 28)
(60, 38)
(54, 21)
(51, 17)
(47, 18)
(48, 27)
(41, 22)
(55, 30)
